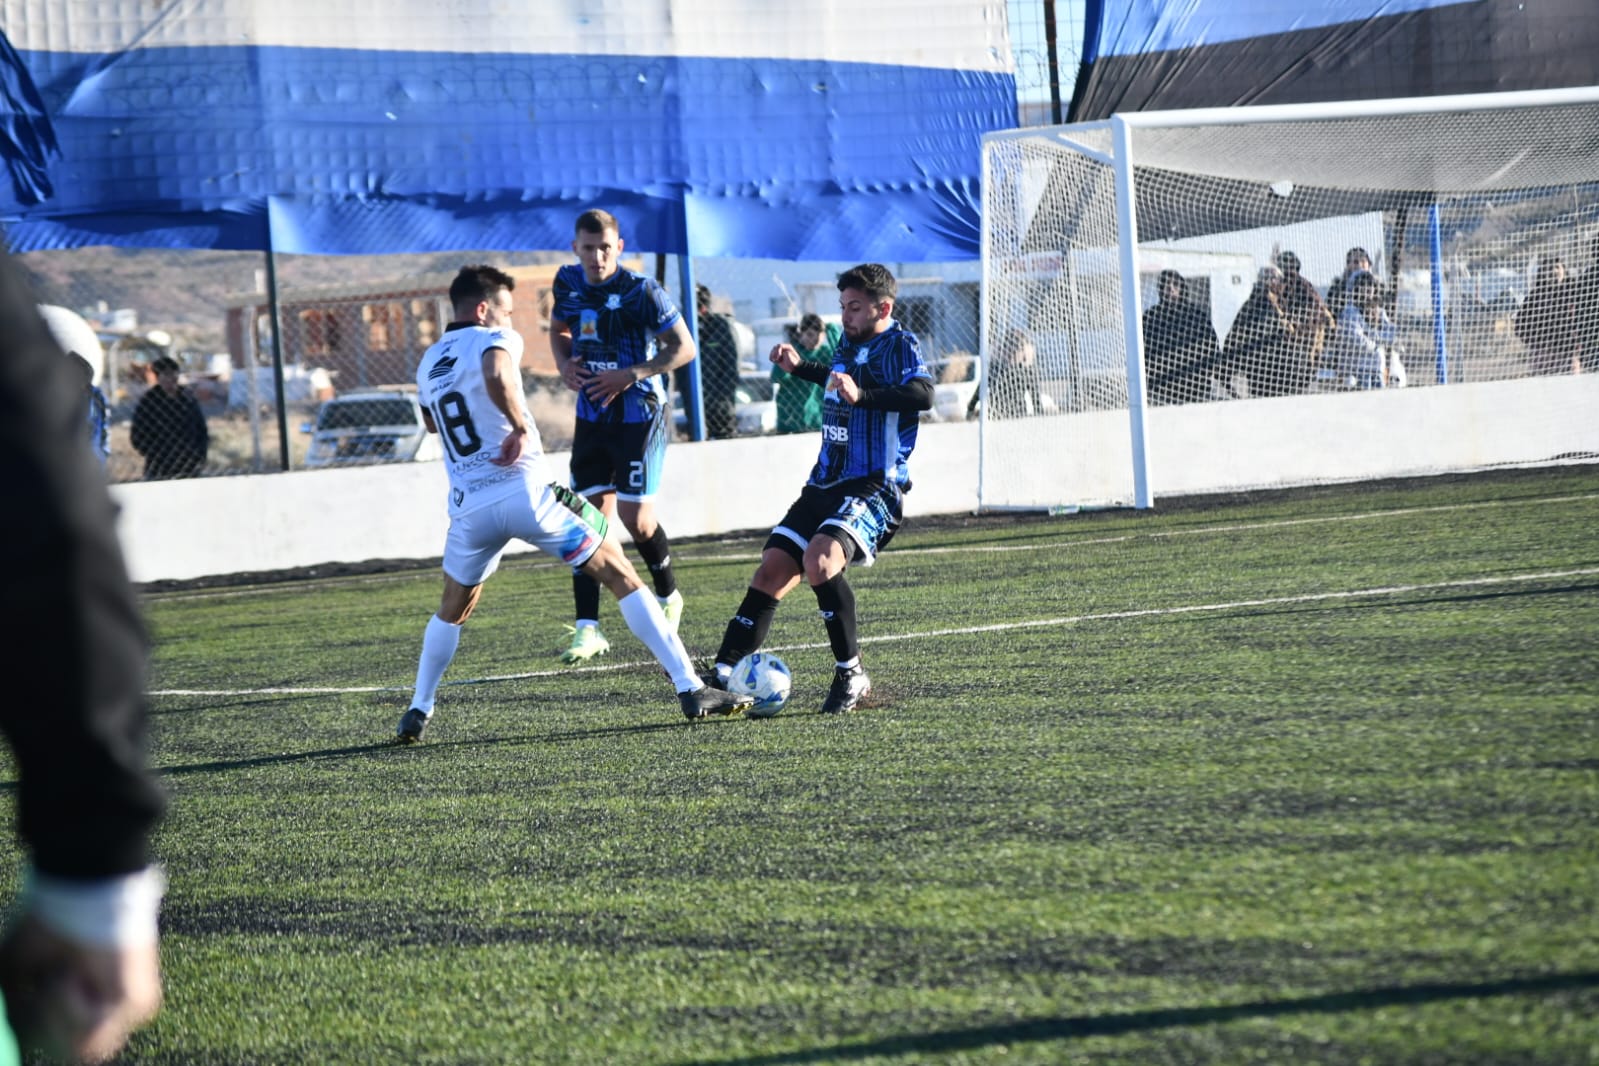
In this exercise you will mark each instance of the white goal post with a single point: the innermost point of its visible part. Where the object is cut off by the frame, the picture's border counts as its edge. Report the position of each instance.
(1241, 298)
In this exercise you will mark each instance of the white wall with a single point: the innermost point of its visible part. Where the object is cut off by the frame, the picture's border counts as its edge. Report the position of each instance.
(176, 530)
(1301, 440)
(212, 526)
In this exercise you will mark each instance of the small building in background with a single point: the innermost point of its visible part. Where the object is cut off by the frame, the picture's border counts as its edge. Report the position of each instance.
(364, 336)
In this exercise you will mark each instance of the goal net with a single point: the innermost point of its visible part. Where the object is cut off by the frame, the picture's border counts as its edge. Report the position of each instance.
(1241, 298)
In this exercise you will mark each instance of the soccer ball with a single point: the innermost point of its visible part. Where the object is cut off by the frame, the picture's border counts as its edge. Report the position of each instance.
(764, 676)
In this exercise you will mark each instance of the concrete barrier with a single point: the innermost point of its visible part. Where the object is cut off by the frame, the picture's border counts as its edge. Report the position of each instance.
(179, 530)
(188, 529)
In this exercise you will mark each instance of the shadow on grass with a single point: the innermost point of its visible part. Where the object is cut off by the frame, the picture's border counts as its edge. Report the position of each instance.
(1139, 1021)
(390, 746)
(1392, 601)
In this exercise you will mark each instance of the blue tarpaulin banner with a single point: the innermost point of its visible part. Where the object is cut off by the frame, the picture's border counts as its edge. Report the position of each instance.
(801, 130)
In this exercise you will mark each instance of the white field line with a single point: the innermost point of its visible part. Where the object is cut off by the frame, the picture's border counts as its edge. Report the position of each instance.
(966, 549)
(997, 627)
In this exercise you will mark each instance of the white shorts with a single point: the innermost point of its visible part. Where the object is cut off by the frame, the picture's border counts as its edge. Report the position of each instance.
(557, 522)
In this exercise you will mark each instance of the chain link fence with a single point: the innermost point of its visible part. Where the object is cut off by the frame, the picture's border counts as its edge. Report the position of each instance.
(187, 365)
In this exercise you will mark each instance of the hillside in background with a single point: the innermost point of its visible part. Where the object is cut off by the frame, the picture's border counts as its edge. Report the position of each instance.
(186, 292)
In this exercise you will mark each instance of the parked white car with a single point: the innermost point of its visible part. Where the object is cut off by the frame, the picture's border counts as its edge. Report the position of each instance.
(378, 426)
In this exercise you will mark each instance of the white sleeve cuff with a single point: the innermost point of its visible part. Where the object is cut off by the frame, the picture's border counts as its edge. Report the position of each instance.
(111, 912)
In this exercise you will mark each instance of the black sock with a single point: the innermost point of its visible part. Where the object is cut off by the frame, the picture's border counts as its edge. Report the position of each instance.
(586, 596)
(657, 555)
(837, 602)
(747, 629)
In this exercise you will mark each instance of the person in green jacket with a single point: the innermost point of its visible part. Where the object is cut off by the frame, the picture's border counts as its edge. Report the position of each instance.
(799, 402)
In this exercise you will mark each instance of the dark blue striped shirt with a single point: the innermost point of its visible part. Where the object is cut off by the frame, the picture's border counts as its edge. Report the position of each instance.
(614, 325)
(858, 442)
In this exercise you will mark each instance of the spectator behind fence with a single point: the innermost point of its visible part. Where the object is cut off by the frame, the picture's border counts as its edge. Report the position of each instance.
(1363, 350)
(1311, 321)
(1260, 342)
(1587, 300)
(1547, 322)
(79, 962)
(799, 402)
(96, 412)
(1012, 389)
(1180, 342)
(1355, 261)
(168, 428)
(718, 358)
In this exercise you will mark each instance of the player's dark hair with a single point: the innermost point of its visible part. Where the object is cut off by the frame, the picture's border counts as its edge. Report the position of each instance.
(594, 220)
(474, 284)
(874, 279)
(810, 321)
(1167, 276)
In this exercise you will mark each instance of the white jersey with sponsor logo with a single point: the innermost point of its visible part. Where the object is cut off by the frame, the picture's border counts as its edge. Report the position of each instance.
(450, 384)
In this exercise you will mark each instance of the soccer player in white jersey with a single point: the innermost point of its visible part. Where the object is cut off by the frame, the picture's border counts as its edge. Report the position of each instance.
(470, 387)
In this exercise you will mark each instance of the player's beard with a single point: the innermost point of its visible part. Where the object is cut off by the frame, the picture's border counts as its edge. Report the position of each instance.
(864, 334)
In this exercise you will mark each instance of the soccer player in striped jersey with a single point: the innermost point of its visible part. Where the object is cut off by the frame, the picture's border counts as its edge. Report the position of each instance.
(616, 334)
(852, 503)
(470, 387)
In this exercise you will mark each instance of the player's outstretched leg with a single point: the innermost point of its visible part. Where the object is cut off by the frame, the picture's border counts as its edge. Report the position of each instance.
(643, 616)
(642, 613)
(439, 642)
(746, 632)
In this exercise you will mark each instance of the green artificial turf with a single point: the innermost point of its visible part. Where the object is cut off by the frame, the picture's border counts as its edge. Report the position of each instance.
(1306, 777)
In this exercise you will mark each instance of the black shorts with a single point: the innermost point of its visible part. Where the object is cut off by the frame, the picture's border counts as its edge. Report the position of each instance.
(863, 515)
(622, 457)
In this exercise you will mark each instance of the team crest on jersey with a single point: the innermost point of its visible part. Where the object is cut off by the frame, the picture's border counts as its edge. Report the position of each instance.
(613, 302)
(860, 357)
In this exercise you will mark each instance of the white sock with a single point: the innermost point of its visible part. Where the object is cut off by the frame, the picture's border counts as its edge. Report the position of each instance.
(439, 642)
(643, 616)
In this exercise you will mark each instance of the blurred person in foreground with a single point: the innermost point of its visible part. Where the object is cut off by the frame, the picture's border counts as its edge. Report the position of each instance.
(616, 334)
(470, 387)
(852, 503)
(79, 966)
